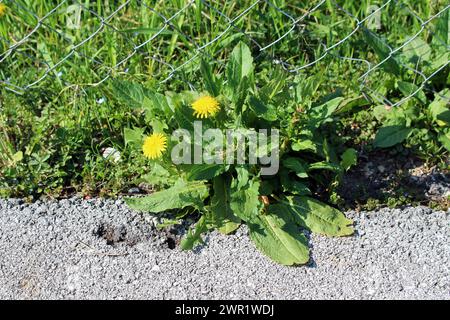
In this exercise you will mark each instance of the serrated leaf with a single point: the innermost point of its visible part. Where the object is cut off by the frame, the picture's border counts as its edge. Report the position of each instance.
(155, 103)
(245, 201)
(181, 195)
(239, 66)
(184, 118)
(315, 216)
(205, 171)
(267, 112)
(129, 93)
(389, 136)
(279, 240)
(133, 137)
(222, 215)
(158, 126)
(181, 99)
(158, 175)
(242, 177)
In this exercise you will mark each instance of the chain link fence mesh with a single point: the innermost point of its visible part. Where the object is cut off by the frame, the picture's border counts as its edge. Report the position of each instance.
(84, 43)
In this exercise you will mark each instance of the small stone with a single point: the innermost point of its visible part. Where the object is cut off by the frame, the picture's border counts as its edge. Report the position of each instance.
(112, 154)
(156, 268)
(134, 190)
(43, 221)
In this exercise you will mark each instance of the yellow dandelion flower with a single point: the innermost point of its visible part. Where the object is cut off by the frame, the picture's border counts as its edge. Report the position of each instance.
(3, 8)
(205, 106)
(154, 145)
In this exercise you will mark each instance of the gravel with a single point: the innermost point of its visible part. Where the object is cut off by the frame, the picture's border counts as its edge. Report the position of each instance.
(99, 249)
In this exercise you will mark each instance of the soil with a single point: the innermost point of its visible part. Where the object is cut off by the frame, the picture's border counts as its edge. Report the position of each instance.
(387, 180)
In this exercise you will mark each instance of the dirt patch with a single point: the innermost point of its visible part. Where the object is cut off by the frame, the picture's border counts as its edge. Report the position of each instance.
(394, 181)
(115, 234)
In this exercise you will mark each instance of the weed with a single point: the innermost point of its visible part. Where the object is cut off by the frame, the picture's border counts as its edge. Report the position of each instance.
(273, 195)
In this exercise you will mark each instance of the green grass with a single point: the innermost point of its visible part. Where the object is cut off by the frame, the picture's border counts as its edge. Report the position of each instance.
(53, 134)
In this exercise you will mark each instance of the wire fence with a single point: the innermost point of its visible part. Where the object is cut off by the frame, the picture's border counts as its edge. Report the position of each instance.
(58, 40)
